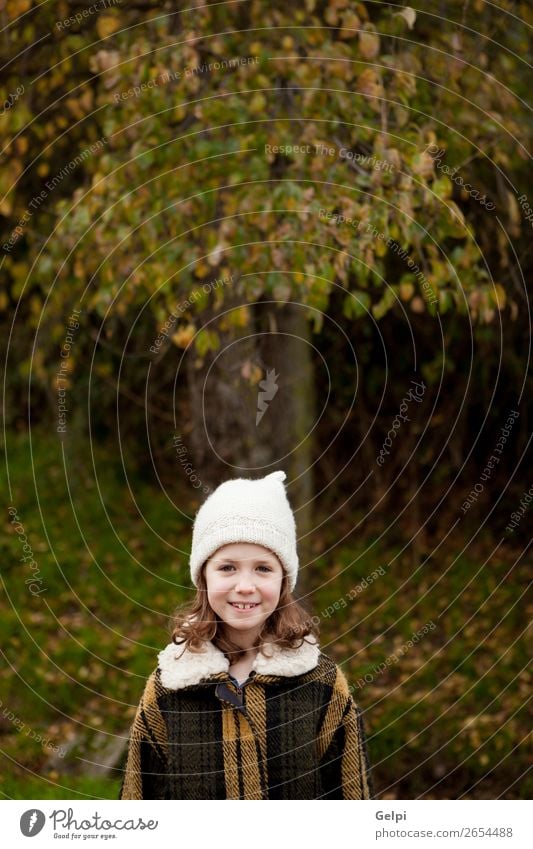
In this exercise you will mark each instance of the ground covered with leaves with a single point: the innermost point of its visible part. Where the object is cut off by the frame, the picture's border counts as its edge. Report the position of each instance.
(446, 716)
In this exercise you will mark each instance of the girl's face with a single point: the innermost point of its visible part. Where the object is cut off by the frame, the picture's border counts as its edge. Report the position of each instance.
(243, 587)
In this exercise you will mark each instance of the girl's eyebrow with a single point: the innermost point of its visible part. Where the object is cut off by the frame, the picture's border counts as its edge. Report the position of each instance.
(263, 560)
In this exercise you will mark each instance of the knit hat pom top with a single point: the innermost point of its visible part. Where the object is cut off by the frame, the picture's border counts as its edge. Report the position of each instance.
(246, 510)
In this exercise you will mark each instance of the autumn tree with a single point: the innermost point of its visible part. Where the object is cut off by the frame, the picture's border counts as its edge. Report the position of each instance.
(209, 186)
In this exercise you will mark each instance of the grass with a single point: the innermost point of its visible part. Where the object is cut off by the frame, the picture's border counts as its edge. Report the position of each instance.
(442, 719)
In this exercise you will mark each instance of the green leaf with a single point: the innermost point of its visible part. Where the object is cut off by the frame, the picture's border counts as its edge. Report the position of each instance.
(207, 340)
(356, 304)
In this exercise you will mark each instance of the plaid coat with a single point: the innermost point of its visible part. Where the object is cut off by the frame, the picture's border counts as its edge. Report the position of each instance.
(291, 731)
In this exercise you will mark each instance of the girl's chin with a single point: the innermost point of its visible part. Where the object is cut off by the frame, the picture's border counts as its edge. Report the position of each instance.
(242, 622)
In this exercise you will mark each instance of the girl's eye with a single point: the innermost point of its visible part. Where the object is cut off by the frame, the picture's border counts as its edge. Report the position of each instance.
(267, 568)
(226, 566)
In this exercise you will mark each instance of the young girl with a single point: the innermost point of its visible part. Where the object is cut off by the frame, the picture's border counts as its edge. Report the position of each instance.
(243, 704)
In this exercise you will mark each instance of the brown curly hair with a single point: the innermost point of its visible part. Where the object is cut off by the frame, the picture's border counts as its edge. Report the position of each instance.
(196, 622)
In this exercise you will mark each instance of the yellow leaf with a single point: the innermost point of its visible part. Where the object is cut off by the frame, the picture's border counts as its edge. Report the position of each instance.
(350, 25)
(512, 209)
(87, 100)
(256, 375)
(417, 305)
(22, 145)
(107, 25)
(201, 270)
(368, 82)
(406, 291)
(331, 16)
(184, 336)
(240, 317)
(73, 106)
(392, 156)
(499, 296)
(15, 10)
(368, 44)
(409, 16)
(380, 248)
(218, 47)
(422, 164)
(442, 188)
(99, 186)
(258, 103)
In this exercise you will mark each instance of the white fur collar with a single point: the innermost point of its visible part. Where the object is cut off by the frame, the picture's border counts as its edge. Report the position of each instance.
(182, 669)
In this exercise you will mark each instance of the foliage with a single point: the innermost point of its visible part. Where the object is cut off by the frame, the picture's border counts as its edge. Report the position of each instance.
(83, 649)
(181, 187)
(296, 153)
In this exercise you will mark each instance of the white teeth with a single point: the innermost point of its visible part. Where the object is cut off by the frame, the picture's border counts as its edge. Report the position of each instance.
(243, 606)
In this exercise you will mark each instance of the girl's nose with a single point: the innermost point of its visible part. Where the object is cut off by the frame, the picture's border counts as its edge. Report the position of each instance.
(245, 584)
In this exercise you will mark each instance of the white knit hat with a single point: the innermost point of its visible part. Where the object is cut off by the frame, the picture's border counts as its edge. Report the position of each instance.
(245, 510)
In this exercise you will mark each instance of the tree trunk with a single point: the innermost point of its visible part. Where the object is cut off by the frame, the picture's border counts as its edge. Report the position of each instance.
(253, 409)
(287, 349)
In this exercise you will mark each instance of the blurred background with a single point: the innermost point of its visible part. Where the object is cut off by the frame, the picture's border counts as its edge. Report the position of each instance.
(244, 237)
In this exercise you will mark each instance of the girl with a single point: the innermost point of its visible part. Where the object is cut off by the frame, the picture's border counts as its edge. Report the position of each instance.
(243, 704)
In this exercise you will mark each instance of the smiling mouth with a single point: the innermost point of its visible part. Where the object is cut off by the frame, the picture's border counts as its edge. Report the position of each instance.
(243, 606)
